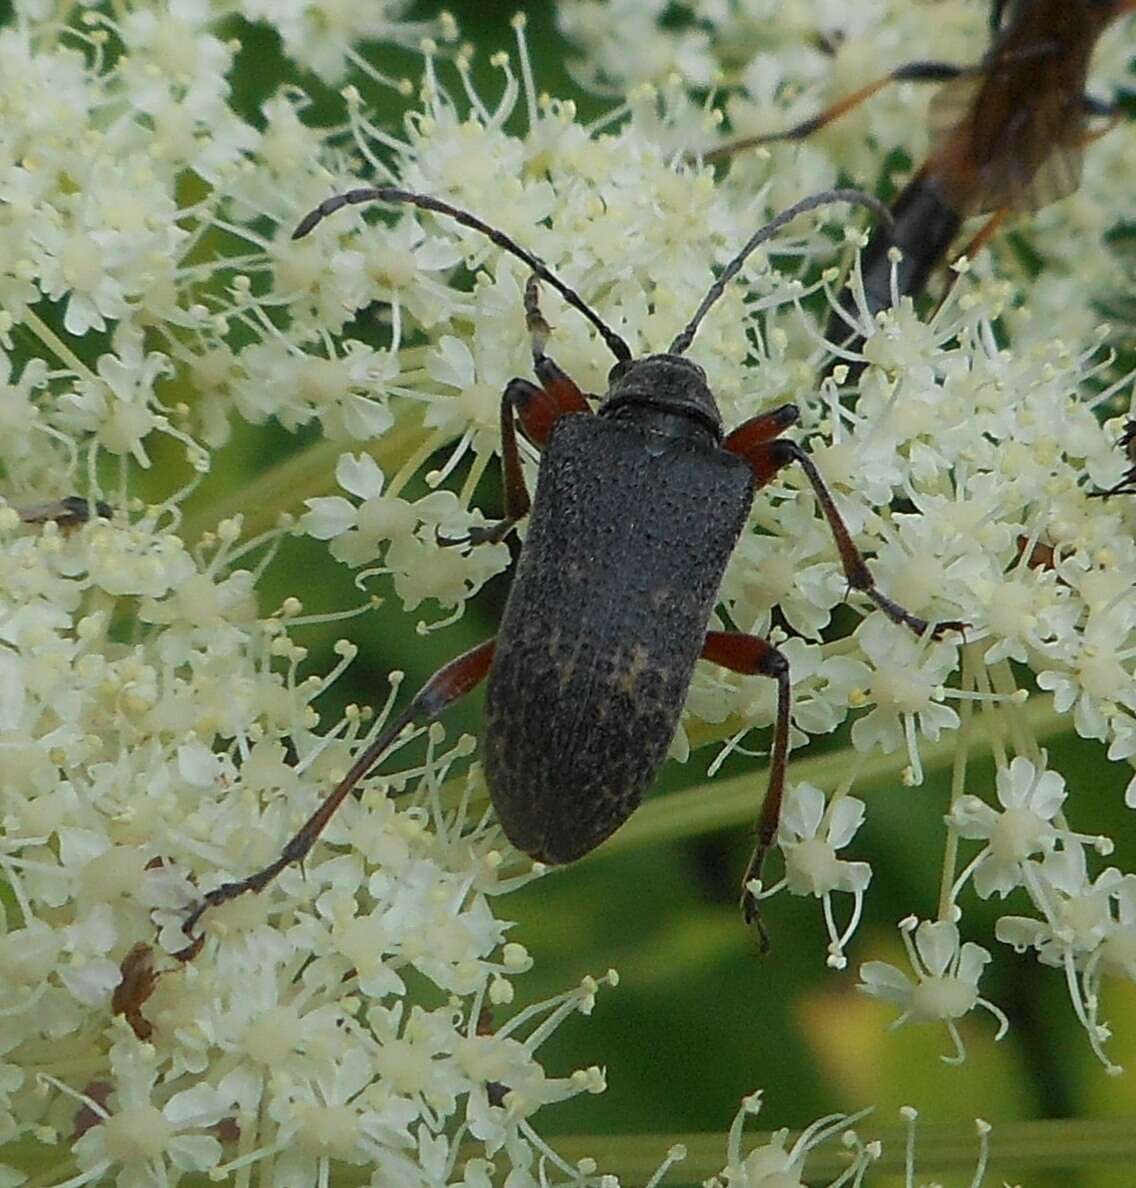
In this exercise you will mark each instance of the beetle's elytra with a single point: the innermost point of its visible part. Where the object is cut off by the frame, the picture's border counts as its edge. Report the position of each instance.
(638, 508)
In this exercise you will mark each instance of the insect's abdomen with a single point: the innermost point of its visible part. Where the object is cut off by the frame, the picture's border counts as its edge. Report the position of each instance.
(924, 228)
(629, 536)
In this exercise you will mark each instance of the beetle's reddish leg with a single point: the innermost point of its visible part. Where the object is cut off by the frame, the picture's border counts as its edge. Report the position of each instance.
(856, 569)
(912, 72)
(749, 654)
(750, 435)
(450, 683)
(767, 457)
(538, 409)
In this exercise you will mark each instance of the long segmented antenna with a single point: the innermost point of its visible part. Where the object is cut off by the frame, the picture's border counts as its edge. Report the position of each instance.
(856, 197)
(615, 344)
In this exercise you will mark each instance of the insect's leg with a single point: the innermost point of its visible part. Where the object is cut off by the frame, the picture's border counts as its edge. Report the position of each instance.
(446, 686)
(767, 457)
(538, 409)
(924, 227)
(748, 438)
(1126, 486)
(911, 72)
(983, 236)
(1101, 107)
(749, 654)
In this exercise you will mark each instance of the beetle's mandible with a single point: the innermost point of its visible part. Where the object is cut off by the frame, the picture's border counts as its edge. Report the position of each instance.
(638, 508)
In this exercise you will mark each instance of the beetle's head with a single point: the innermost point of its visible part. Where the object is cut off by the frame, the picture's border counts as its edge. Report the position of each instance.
(668, 384)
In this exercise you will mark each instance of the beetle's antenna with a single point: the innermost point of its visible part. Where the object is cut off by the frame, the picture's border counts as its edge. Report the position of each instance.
(615, 344)
(857, 197)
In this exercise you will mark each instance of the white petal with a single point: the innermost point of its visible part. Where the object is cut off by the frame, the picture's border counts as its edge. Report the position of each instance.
(937, 942)
(881, 980)
(359, 474)
(1048, 795)
(972, 960)
(804, 808)
(451, 363)
(847, 816)
(197, 764)
(194, 1152)
(200, 1106)
(329, 516)
(12, 693)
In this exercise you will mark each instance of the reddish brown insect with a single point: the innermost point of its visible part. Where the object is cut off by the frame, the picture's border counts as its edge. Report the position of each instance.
(139, 977)
(1007, 135)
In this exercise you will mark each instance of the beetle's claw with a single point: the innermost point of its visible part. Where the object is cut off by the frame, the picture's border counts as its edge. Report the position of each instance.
(190, 921)
(938, 630)
(751, 913)
(489, 534)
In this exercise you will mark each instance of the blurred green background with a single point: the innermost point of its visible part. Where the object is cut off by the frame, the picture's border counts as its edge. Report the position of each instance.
(699, 1019)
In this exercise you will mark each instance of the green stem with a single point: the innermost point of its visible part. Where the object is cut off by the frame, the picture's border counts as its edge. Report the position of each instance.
(32, 321)
(940, 1149)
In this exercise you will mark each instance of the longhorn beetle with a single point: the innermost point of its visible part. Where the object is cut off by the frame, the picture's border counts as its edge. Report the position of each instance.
(638, 508)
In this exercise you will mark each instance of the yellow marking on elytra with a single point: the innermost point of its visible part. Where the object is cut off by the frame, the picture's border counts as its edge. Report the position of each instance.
(637, 663)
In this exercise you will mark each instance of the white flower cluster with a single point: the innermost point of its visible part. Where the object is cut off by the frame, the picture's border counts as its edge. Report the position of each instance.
(156, 727)
(344, 1017)
(158, 730)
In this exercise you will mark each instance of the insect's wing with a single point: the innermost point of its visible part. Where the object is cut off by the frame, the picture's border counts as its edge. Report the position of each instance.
(1007, 141)
(1058, 176)
(950, 109)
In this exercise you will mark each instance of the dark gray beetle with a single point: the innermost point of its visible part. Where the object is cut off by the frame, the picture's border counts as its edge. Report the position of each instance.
(638, 508)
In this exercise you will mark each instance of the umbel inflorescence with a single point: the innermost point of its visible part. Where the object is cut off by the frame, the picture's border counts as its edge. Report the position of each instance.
(162, 729)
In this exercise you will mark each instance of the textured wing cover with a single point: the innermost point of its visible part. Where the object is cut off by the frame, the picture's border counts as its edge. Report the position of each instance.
(629, 537)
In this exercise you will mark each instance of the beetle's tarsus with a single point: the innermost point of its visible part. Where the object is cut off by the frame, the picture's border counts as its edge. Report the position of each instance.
(489, 534)
(751, 913)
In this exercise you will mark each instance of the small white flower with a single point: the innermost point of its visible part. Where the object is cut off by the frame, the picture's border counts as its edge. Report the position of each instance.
(906, 687)
(1030, 800)
(809, 837)
(1078, 931)
(140, 1142)
(946, 985)
(776, 1164)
